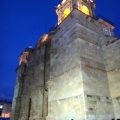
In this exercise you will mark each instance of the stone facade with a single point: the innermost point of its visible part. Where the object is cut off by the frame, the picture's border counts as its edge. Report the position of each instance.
(72, 73)
(112, 61)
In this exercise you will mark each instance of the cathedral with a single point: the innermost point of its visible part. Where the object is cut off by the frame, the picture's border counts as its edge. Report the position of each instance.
(73, 73)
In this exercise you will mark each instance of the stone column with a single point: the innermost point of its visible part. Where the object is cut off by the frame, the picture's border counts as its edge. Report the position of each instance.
(45, 104)
(50, 83)
(17, 108)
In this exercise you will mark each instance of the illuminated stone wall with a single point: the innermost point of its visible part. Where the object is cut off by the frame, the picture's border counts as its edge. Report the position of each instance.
(30, 83)
(17, 90)
(112, 57)
(79, 87)
(33, 87)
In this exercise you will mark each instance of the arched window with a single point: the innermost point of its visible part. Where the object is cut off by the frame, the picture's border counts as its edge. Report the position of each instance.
(85, 10)
(66, 12)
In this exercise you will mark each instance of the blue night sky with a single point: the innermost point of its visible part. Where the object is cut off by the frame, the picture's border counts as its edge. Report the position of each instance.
(22, 22)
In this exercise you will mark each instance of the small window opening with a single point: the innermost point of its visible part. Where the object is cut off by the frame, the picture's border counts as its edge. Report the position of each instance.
(85, 10)
(66, 13)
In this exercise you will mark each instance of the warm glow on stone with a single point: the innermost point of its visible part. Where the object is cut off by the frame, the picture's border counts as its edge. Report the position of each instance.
(44, 38)
(66, 13)
(91, 0)
(58, 5)
(63, 1)
(85, 10)
(5, 115)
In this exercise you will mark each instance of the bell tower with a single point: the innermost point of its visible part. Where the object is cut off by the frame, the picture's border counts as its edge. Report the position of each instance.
(66, 6)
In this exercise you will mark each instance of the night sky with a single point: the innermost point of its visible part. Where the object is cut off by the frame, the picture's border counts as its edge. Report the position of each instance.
(23, 22)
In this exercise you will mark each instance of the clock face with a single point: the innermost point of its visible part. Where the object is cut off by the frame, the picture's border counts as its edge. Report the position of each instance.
(106, 31)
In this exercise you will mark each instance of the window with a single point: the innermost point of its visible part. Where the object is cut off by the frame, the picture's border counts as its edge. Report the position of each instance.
(106, 31)
(66, 12)
(85, 10)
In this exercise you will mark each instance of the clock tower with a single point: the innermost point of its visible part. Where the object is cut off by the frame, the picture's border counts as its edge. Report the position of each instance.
(66, 6)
